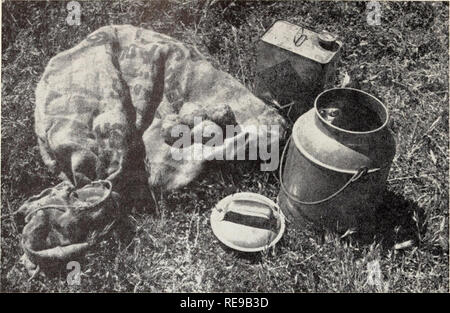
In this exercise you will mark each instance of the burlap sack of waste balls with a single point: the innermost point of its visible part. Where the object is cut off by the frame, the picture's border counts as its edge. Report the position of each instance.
(106, 108)
(96, 104)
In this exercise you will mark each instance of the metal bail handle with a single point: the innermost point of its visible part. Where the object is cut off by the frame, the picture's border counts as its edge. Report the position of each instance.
(359, 173)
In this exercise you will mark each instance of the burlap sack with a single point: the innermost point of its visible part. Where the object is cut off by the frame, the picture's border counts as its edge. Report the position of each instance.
(96, 104)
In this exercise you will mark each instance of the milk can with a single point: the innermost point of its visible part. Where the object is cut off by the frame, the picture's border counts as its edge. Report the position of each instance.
(294, 64)
(337, 163)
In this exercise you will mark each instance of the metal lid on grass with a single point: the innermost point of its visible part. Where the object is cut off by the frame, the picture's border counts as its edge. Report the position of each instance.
(247, 222)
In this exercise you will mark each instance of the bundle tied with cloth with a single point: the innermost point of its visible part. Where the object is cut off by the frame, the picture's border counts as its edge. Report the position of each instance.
(105, 117)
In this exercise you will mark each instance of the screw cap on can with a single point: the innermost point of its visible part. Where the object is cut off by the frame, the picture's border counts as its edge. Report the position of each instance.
(327, 40)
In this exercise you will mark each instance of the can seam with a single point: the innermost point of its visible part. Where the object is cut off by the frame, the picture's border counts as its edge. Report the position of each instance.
(330, 167)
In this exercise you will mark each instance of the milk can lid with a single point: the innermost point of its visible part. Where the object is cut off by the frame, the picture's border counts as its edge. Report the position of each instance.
(247, 222)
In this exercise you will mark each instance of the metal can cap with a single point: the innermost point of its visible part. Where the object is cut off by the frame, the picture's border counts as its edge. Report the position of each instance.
(247, 222)
(327, 40)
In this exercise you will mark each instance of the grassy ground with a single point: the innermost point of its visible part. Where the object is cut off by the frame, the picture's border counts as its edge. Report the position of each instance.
(404, 62)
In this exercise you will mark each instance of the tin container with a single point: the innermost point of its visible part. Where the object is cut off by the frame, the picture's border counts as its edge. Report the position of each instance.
(294, 64)
(336, 167)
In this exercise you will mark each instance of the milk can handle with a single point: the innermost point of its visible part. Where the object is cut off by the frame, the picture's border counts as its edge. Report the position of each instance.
(359, 173)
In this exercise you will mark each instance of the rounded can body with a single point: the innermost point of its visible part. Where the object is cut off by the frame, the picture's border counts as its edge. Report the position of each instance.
(333, 176)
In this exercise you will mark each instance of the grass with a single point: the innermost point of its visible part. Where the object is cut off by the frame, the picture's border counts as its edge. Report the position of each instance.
(404, 62)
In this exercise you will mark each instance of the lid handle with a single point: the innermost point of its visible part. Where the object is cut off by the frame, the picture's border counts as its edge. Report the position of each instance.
(251, 213)
(256, 221)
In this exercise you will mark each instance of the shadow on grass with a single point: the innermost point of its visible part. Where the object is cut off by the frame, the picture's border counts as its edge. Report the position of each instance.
(250, 257)
(397, 220)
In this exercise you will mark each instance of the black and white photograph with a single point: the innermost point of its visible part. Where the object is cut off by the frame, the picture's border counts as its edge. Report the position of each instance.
(228, 147)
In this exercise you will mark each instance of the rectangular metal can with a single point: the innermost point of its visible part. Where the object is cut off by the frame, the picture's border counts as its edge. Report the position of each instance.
(294, 64)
